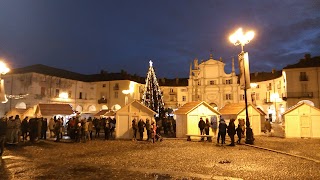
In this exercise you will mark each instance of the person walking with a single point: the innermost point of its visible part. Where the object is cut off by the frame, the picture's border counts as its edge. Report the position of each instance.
(3, 132)
(231, 131)
(267, 125)
(201, 126)
(222, 131)
(141, 126)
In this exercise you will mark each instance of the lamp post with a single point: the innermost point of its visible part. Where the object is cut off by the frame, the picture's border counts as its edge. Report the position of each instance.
(238, 38)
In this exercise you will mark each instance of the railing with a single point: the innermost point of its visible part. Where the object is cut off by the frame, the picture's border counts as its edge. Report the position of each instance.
(267, 100)
(299, 95)
(102, 101)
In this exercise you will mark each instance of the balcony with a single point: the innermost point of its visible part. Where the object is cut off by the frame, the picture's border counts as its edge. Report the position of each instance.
(267, 101)
(102, 101)
(299, 94)
(172, 93)
(269, 88)
(303, 78)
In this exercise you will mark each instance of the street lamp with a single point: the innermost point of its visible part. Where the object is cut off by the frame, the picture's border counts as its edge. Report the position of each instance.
(3, 70)
(238, 38)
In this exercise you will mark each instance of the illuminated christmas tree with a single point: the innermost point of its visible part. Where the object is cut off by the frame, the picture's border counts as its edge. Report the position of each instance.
(152, 96)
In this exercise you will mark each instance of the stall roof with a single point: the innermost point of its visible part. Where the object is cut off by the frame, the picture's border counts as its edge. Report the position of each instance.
(54, 109)
(298, 105)
(101, 113)
(188, 107)
(236, 108)
(105, 113)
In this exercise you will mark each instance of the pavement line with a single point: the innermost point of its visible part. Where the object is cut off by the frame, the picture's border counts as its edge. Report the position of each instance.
(282, 152)
(181, 174)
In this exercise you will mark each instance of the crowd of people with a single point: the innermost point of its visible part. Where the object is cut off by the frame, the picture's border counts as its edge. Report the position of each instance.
(223, 129)
(15, 130)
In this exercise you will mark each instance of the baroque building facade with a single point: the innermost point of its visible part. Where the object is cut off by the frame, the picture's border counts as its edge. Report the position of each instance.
(273, 92)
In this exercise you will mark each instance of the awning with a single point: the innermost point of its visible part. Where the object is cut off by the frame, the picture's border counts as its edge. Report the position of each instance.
(53, 109)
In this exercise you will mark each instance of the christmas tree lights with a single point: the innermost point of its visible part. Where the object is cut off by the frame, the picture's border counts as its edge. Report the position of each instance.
(152, 96)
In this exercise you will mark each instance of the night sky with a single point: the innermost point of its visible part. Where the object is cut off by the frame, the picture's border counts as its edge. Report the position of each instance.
(88, 36)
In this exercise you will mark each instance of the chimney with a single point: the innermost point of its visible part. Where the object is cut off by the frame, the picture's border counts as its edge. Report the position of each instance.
(273, 71)
(256, 74)
(177, 80)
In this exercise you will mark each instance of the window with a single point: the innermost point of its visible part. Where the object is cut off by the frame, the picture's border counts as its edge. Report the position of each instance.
(116, 86)
(198, 83)
(241, 97)
(57, 93)
(228, 96)
(69, 94)
(104, 85)
(116, 95)
(184, 98)
(228, 81)
(212, 82)
(303, 76)
(80, 95)
(257, 96)
(43, 91)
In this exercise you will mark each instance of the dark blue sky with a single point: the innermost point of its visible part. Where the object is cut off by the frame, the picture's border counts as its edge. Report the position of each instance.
(88, 36)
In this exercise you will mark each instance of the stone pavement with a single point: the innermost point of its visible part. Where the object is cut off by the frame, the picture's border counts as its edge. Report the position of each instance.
(269, 158)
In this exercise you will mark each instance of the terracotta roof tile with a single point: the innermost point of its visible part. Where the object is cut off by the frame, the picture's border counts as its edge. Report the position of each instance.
(54, 109)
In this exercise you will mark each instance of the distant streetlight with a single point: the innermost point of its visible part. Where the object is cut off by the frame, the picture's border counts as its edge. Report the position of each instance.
(3, 70)
(238, 38)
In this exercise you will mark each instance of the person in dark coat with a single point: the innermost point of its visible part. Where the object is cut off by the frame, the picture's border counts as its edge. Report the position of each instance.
(24, 128)
(141, 125)
(134, 129)
(33, 125)
(207, 128)
(201, 126)
(222, 132)
(231, 131)
(3, 132)
(239, 133)
(44, 128)
(148, 128)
